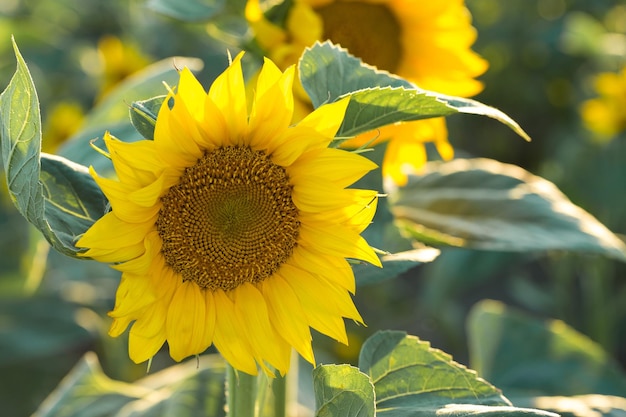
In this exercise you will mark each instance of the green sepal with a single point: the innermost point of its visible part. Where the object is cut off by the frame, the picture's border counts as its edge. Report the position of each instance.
(143, 115)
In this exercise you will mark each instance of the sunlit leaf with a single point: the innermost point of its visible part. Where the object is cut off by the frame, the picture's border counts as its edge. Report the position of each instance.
(485, 204)
(378, 98)
(342, 390)
(519, 353)
(394, 264)
(57, 196)
(184, 390)
(188, 10)
(591, 405)
(412, 379)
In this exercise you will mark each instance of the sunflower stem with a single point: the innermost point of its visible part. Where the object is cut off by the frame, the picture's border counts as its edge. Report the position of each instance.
(279, 387)
(285, 389)
(241, 388)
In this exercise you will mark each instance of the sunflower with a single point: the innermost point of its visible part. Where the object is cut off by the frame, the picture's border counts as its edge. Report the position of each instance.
(233, 227)
(428, 43)
(605, 115)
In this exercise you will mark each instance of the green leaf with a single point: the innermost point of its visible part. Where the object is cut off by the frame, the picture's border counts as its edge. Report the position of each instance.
(378, 98)
(485, 204)
(73, 199)
(188, 10)
(185, 390)
(342, 391)
(412, 379)
(522, 354)
(372, 108)
(143, 115)
(406, 370)
(57, 196)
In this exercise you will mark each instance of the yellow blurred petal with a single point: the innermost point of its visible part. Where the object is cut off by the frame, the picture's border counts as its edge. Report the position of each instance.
(267, 34)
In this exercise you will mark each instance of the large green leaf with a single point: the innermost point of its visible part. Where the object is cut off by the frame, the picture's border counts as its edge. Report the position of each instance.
(57, 196)
(342, 390)
(377, 98)
(523, 354)
(412, 379)
(184, 390)
(485, 204)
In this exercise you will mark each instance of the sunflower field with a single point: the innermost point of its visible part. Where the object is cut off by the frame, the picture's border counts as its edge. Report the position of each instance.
(283, 208)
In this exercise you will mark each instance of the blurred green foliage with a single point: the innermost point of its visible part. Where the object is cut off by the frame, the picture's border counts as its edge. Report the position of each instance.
(543, 56)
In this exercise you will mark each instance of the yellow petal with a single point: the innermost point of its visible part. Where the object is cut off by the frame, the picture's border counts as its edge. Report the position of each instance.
(111, 233)
(338, 242)
(138, 161)
(272, 109)
(171, 138)
(287, 315)
(327, 118)
(142, 348)
(133, 294)
(330, 266)
(186, 322)
(141, 265)
(291, 143)
(118, 195)
(333, 165)
(191, 94)
(228, 92)
(230, 337)
(252, 311)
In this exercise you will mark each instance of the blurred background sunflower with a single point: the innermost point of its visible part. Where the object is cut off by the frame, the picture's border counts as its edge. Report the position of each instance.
(429, 45)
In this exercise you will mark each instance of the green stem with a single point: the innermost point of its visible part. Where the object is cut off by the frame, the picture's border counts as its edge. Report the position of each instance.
(279, 387)
(285, 389)
(241, 389)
